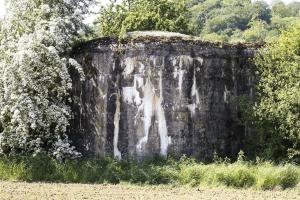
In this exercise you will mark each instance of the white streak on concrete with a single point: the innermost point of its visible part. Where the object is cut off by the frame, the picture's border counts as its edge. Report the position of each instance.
(148, 108)
(152, 107)
(184, 62)
(114, 66)
(180, 75)
(225, 95)
(117, 153)
(129, 66)
(195, 96)
(200, 60)
(194, 92)
(142, 68)
(162, 129)
(162, 124)
(102, 78)
(160, 85)
(131, 95)
(174, 62)
(175, 73)
(138, 81)
(192, 108)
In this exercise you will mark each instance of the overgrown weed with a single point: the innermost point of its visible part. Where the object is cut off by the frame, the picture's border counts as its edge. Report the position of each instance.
(186, 171)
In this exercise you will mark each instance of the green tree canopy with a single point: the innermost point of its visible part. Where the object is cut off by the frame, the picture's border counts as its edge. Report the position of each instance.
(280, 9)
(295, 8)
(227, 17)
(222, 20)
(278, 108)
(164, 15)
(241, 21)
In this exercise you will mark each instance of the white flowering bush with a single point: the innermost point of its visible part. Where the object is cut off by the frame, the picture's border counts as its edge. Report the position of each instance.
(36, 37)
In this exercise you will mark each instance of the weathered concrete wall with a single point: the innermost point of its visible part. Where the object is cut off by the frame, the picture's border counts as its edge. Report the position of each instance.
(153, 95)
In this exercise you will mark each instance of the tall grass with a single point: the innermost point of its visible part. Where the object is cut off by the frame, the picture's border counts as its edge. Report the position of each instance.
(241, 174)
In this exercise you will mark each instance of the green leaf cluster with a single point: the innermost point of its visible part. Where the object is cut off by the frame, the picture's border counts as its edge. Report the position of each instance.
(278, 108)
(218, 20)
(141, 15)
(241, 20)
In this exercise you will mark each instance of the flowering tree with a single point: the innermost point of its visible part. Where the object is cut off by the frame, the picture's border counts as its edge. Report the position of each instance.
(36, 37)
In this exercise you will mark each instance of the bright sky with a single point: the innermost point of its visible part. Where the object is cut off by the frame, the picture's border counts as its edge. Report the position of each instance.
(2, 7)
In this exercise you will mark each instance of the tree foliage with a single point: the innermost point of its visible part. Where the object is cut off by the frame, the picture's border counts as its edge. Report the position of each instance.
(164, 15)
(36, 36)
(241, 21)
(278, 108)
(221, 20)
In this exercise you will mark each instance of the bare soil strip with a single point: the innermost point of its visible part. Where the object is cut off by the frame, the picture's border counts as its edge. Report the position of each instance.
(24, 191)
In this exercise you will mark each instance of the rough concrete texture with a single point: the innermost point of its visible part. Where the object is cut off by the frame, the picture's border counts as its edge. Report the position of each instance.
(160, 95)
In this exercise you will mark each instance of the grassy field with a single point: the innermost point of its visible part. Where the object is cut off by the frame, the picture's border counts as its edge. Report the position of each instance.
(22, 190)
(42, 177)
(184, 172)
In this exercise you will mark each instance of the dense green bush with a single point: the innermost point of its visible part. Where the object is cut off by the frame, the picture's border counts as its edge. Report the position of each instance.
(289, 177)
(239, 177)
(192, 175)
(241, 174)
(275, 116)
(140, 15)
